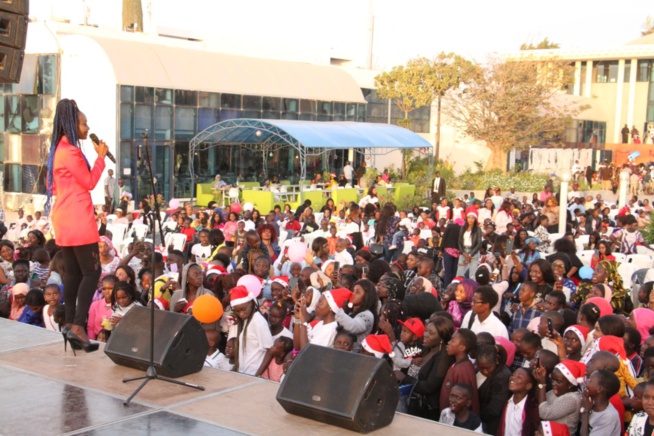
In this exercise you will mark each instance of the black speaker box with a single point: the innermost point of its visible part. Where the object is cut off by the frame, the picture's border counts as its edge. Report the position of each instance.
(11, 64)
(180, 344)
(13, 30)
(20, 7)
(349, 390)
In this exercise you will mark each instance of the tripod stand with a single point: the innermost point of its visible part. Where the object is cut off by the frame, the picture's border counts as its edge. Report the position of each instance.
(151, 372)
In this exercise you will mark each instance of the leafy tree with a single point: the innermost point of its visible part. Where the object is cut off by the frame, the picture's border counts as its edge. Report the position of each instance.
(132, 14)
(544, 44)
(446, 71)
(513, 104)
(405, 86)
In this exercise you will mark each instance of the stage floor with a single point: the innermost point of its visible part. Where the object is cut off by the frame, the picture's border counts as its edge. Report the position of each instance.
(44, 391)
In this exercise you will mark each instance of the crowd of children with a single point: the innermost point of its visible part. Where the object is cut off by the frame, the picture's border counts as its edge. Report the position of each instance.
(482, 328)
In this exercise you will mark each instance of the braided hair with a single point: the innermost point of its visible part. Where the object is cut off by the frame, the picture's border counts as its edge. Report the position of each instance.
(64, 124)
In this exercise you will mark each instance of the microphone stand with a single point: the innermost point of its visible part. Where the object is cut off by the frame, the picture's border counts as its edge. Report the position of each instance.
(151, 372)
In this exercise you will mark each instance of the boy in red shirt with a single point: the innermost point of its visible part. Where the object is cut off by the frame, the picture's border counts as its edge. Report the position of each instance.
(462, 370)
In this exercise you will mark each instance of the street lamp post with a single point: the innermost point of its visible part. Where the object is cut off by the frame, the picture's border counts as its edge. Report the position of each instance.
(622, 193)
(563, 202)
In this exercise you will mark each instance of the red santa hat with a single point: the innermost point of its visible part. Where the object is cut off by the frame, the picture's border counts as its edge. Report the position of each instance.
(580, 331)
(612, 344)
(378, 345)
(216, 269)
(282, 280)
(336, 298)
(457, 279)
(551, 428)
(573, 371)
(240, 295)
(161, 303)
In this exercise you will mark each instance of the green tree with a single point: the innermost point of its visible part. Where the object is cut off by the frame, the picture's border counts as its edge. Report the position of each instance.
(405, 86)
(543, 45)
(132, 14)
(514, 104)
(446, 71)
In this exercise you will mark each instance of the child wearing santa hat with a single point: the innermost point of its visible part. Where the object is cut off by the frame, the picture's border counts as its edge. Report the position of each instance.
(323, 330)
(551, 428)
(573, 341)
(561, 404)
(252, 333)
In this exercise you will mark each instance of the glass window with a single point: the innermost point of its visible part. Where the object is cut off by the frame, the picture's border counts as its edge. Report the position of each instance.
(142, 119)
(627, 71)
(290, 105)
(185, 122)
(209, 99)
(46, 80)
(126, 93)
(2, 148)
(229, 114)
(271, 115)
(339, 108)
(31, 149)
(289, 115)
(2, 114)
(207, 117)
(33, 179)
(307, 107)
(644, 70)
(126, 161)
(164, 96)
(231, 101)
(13, 148)
(12, 114)
(607, 72)
(144, 95)
(163, 123)
(307, 117)
(126, 121)
(324, 108)
(186, 98)
(30, 112)
(250, 114)
(251, 102)
(271, 103)
(13, 179)
(362, 109)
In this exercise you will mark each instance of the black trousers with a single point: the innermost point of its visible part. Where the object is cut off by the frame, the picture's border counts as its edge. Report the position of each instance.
(81, 274)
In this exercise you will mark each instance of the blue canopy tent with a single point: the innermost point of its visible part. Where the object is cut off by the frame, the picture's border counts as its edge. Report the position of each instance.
(306, 137)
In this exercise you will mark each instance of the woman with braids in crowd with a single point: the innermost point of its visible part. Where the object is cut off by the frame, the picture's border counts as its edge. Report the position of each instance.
(70, 178)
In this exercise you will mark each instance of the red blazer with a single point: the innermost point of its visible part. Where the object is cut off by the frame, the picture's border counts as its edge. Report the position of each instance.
(72, 214)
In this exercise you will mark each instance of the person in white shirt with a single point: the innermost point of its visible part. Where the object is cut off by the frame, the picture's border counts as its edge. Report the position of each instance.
(341, 255)
(348, 171)
(481, 317)
(497, 198)
(324, 332)
(252, 331)
(457, 210)
(518, 415)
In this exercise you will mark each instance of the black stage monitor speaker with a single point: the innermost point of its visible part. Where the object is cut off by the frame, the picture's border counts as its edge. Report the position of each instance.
(13, 36)
(349, 390)
(180, 344)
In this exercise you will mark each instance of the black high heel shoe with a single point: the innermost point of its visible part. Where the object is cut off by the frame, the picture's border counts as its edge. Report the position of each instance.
(77, 343)
(64, 332)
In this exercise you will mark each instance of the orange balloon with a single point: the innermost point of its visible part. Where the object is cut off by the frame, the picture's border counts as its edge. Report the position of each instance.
(207, 309)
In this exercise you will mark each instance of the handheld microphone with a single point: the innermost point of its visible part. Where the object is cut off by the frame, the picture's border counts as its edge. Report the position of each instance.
(96, 141)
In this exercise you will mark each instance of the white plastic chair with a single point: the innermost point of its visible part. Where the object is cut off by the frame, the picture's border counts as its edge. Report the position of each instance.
(620, 257)
(123, 247)
(582, 241)
(585, 256)
(408, 246)
(626, 270)
(118, 232)
(641, 260)
(140, 230)
(641, 249)
(425, 234)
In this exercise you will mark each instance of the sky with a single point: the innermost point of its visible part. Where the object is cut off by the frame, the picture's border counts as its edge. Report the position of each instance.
(402, 29)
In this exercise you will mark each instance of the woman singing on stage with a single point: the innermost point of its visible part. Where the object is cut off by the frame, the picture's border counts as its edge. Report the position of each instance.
(70, 178)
